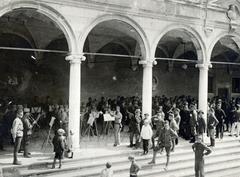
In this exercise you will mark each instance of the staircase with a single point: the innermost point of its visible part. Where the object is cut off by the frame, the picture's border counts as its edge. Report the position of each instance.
(224, 161)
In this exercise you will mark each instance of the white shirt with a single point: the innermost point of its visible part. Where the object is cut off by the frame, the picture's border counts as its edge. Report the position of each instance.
(107, 172)
(17, 128)
(146, 132)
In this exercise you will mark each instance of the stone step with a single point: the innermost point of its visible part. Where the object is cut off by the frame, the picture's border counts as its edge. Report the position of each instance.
(119, 164)
(183, 150)
(212, 167)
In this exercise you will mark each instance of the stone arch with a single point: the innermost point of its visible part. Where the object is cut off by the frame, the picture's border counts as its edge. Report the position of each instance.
(145, 46)
(196, 39)
(224, 34)
(49, 12)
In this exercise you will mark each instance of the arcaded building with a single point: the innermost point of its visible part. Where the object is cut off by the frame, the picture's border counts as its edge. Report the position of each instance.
(70, 50)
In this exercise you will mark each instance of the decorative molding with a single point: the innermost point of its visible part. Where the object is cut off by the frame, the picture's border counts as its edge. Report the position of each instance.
(204, 65)
(148, 63)
(76, 58)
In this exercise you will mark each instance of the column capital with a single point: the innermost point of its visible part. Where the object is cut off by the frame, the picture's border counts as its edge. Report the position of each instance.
(204, 65)
(148, 63)
(75, 58)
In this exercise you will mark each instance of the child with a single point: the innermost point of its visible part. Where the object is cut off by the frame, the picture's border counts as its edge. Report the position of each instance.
(59, 143)
(107, 172)
(200, 150)
(134, 168)
(146, 135)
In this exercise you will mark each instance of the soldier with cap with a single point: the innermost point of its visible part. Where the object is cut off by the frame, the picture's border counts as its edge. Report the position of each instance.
(211, 124)
(135, 128)
(164, 141)
(201, 128)
(17, 134)
(193, 122)
(27, 132)
(200, 150)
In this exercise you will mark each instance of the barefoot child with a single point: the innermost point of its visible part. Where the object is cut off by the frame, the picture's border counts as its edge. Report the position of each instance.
(59, 143)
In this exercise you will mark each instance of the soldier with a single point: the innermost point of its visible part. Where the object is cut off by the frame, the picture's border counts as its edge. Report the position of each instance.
(201, 128)
(193, 122)
(212, 123)
(17, 134)
(221, 116)
(158, 120)
(135, 128)
(199, 149)
(164, 141)
(27, 132)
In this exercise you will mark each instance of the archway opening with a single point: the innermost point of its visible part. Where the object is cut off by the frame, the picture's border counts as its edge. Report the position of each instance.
(225, 78)
(175, 77)
(34, 73)
(111, 74)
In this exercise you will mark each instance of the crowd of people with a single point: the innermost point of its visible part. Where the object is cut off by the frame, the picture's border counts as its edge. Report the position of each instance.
(171, 118)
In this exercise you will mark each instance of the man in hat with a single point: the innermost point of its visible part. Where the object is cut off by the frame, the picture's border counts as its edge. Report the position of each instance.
(200, 150)
(201, 128)
(221, 116)
(212, 123)
(135, 128)
(193, 122)
(164, 141)
(27, 132)
(17, 134)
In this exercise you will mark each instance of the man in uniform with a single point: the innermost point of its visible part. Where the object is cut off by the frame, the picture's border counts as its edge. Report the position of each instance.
(200, 150)
(164, 141)
(212, 123)
(135, 128)
(17, 134)
(27, 132)
(193, 122)
(221, 116)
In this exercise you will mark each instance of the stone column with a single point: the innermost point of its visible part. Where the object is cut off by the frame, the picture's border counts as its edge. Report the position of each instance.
(203, 87)
(147, 86)
(74, 97)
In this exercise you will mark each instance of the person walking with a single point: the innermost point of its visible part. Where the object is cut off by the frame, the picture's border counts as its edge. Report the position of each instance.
(17, 135)
(146, 135)
(164, 141)
(200, 150)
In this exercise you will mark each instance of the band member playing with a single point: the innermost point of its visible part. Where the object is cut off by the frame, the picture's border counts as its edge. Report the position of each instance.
(17, 134)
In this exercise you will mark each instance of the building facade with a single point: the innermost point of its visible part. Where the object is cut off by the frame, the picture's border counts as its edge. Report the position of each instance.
(168, 47)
